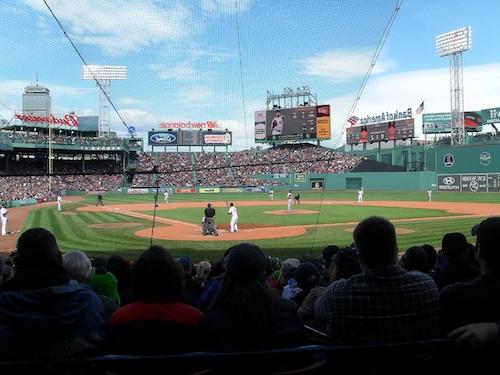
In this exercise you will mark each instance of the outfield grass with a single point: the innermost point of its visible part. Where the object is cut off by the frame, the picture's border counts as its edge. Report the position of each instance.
(72, 231)
(329, 214)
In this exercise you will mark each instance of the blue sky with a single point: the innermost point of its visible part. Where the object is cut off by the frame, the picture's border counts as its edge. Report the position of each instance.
(182, 56)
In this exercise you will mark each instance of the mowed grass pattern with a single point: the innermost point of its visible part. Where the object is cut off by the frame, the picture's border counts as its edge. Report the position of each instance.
(73, 232)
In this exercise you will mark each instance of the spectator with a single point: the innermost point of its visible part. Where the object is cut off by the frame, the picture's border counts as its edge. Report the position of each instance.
(103, 282)
(41, 302)
(455, 250)
(477, 300)
(202, 272)
(415, 259)
(79, 268)
(246, 313)
(432, 257)
(311, 284)
(156, 320)
(344, 264)
(2, 268)
(327, 254)
(281, 277)
(385, 303)
(122, 270)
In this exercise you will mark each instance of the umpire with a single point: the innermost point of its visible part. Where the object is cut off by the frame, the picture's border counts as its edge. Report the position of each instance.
(209, 226)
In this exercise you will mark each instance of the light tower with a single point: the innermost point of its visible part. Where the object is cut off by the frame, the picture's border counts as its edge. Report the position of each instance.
(452, 44)
(103, 75)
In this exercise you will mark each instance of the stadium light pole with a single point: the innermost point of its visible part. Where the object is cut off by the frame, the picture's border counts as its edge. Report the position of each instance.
(103, 75)
(453, 44)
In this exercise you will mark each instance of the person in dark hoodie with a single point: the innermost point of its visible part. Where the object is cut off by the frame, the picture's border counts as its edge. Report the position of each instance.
(44, 314)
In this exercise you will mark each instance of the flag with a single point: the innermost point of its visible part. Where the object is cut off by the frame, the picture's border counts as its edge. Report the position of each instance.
(353, 120)
(420, 109)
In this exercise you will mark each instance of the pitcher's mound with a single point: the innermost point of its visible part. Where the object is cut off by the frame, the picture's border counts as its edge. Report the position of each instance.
(291, 212)
(398, 230)
(113, 225)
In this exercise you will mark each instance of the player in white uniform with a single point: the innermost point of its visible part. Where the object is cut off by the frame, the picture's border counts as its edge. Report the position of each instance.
(3, 217)
(289, 197)
(360, 195)
(165, 196)
(429, 194)
(59, 203)
(234, 217)
(277, 124)
(271, 194)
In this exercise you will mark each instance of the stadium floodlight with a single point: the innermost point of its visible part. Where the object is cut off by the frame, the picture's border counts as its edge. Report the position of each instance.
(103, 75)
(453, 44)
(455, 41)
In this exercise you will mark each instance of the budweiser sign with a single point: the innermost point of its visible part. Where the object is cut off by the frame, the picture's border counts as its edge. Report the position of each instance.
(189, 125)
(68, 120)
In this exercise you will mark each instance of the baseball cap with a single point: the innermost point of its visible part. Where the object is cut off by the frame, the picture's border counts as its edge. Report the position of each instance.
(474, 230)
(246, 262)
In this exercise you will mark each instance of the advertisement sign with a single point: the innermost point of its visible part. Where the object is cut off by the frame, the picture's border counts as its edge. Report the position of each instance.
(435, 123)
(185, 190)
(300, 123)
(384, 131)
(300, 177)
(386, 117)
(449, 182)
(70, 121)
(494, 182)
(256, 189)
(189, 138)
(474, 182)
(491, 115)
(136, 191)
(162, 138)
(189, 125)
(216, 138)
(232, 190)
(209, 190)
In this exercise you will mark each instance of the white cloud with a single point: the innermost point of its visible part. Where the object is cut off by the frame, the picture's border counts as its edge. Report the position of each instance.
(196, 96)
(185, 71)
(125, 101)
(121, 26)
(408, 89)
(342, 65)
(16, 88)
(224, 6)
(138, 118)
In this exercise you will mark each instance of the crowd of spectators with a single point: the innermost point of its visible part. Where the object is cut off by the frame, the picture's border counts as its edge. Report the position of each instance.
(238, 168)
(58, 138)
(361, 294)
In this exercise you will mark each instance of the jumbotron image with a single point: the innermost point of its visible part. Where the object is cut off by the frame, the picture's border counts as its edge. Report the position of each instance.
(213, 187)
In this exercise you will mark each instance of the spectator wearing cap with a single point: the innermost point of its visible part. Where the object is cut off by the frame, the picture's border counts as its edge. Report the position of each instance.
(246, 312)
(157, 320)
(103, 282)
(385, 303)
(327, 255)
(344, 264)
(192, 289)
(43, 313)
(455, 250)
(477, 300)
(279, 279)
(432, 258)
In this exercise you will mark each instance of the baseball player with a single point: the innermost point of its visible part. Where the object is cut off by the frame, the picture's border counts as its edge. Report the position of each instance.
(234, 217)
(289, 197)
(99, 200)
(429, 194)
(277, 123)
(3, 217)
(59, 203)
(297, 198)
(166, 194)
(360, 195)
(271, 194)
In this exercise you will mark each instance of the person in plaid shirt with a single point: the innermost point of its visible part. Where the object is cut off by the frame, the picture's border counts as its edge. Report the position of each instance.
(385, 303)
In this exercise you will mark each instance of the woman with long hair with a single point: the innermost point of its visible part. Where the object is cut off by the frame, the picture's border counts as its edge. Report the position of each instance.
(247, 313)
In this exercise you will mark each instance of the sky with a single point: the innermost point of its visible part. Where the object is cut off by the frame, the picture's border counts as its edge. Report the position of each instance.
(183, 57)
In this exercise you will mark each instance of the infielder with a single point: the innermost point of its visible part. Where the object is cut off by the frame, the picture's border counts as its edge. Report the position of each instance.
(429, 194)
(360, 195)
(165, 196)
(271, 194)
(59, 203)
(3, 217)
(289, 197)
(234, 218)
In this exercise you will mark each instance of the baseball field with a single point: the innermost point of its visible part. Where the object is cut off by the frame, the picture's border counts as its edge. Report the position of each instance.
(124, 224)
